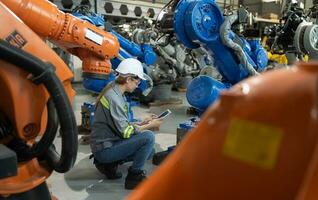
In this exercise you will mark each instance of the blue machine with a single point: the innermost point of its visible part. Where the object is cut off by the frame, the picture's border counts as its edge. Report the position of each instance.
(202, 91)
(143, 52)
(201, 23)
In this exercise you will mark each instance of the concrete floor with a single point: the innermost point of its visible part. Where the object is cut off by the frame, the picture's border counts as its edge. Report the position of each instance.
(84, 181)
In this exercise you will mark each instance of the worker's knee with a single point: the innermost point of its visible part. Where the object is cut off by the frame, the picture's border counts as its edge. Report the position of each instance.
(149, 137)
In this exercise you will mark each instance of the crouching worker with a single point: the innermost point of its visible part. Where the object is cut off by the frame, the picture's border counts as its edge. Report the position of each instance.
(113, 138)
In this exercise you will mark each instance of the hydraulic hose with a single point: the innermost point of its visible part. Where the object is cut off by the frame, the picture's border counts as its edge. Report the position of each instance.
(150, 84)
(224, 33)
(44, 73)
(38, 149)
(41, 147)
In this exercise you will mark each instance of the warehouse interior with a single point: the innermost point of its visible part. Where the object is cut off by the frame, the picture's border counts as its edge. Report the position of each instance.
(158, 99)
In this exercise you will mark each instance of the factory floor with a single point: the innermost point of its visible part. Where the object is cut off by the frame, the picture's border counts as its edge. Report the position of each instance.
(84, 182)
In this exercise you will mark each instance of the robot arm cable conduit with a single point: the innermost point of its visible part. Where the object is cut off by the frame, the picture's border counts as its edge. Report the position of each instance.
(224, 33)
(44, 73)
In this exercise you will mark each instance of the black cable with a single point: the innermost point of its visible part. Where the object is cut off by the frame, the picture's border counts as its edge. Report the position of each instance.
(41, 147)
(25, 152)
(38, 68)
(5, 127)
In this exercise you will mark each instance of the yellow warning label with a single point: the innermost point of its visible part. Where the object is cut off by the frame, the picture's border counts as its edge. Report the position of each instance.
(252, 142)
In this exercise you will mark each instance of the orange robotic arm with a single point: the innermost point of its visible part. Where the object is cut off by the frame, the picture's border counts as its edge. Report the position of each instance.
(259, 141)
(92, 45)
(36, 91)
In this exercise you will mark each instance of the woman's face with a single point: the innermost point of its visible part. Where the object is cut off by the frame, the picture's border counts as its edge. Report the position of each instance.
(132, 83)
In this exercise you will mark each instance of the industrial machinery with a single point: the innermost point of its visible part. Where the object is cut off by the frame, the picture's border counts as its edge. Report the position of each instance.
(176, 64)
(37, 93)
(258, 141)
(296, 35)
(201, 23)
(128, 49)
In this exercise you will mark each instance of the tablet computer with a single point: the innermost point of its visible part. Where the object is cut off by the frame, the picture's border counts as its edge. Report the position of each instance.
(164, 114)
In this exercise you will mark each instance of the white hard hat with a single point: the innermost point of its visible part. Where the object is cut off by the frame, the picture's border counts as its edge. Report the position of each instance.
(131, 66)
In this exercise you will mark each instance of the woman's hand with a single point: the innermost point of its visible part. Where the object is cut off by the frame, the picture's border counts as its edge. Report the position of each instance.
(149, 118)
(152, 124)
(155, 123)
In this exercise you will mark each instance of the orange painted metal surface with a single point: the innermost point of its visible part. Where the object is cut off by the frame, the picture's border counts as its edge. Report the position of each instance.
(30, 174)
(26, 23)
(259, 141)
(24, 103)
(94, 46)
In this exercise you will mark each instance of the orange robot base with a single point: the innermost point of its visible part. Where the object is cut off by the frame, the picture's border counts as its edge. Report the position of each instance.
(259, 141)
(24, 103)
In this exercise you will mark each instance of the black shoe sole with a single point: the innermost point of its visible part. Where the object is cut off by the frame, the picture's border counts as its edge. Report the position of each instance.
(114, 176)
(131, 185)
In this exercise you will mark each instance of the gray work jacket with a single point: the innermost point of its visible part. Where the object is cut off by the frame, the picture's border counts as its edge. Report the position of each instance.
(110, 120)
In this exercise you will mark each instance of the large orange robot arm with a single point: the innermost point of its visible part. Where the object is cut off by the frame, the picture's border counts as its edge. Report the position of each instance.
(92, 45)
(31, 91)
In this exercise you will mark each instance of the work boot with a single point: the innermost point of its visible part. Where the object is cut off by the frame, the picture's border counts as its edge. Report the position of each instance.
(133, 178)
(109, 169)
